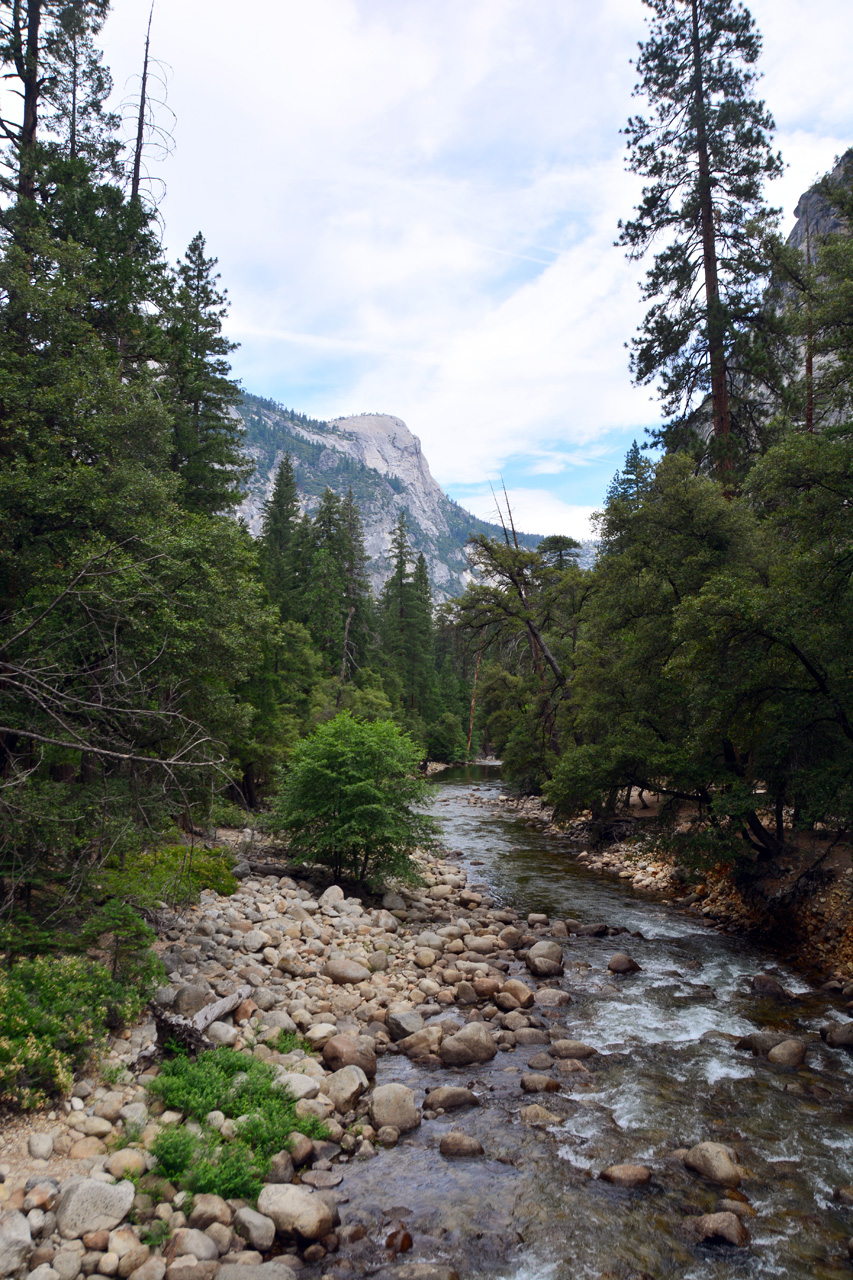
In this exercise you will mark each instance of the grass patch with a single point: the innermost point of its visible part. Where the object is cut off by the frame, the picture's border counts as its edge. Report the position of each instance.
(243, 1089)
(288, 1042)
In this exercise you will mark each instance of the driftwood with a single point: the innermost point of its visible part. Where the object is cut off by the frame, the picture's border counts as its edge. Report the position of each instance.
(269, 868)
(189, 1032)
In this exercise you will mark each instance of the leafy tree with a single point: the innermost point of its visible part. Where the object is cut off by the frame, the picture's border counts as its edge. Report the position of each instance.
(206, 432)
(347, 799)
(705, 149)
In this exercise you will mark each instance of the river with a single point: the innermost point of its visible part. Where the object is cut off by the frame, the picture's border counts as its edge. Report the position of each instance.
(667, 1076)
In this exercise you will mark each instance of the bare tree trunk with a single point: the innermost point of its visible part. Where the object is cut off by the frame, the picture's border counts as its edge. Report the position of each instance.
(809, 337)
(344, 656)
(27, 68)
(716, 347)
(140, 122)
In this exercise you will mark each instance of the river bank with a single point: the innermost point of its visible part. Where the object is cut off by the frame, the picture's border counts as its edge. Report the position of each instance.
(493, 1077)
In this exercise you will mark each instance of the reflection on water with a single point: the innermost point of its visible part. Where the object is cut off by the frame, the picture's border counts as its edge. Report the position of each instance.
(669, 1076)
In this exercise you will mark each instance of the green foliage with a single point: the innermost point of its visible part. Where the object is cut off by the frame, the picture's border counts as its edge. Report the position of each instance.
(347, 796)
(175, 874)
(117, 929)
(54, 1011)
(239, 1086)
(288, 1042)
(445, 739)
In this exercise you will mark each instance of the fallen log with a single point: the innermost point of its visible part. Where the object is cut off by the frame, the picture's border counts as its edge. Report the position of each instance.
(189, 1032)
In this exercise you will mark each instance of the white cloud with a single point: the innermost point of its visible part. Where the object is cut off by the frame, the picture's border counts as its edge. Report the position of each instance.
(414, 204)
(533, 510)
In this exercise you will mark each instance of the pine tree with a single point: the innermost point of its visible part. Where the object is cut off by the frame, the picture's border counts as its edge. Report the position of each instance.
(276, 543)
(76, 91)
(706, 150)
(206, 445)
(631, 484)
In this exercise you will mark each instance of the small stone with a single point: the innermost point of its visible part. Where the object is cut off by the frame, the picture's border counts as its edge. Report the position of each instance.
(403, 1023)
(222, 1033)
(472, 1044)
(545, 959)
(627, 1175)
(189, 1240)
(127, 1163)
(455, 1143)
(345, 1087)
(572, 1049)
(208, 1209)
(297, 1085)
(388, 1136)
(281, 1168)
(538, 1115)
(151, 1269)
(449, 1097)
(350, 1051)
(86, 1148)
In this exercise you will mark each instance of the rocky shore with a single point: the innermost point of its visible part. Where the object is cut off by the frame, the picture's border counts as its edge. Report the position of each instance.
(439, 1039)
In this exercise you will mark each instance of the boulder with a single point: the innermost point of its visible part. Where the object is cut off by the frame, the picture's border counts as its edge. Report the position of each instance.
(545, 959)
(190, 1241)
(790, 1053)
(455, 1144)
(401, 1023)
(726, 1228)
(332, 897)
(760, 1042)
(208, 1209)
(764, 984)
(715, 1162)
(473, 1043)
(622, 963)
(840, 1036)
(40, 1145)
(258, 1229)
(394, 1105)
(342, 971)
(297, 1084)
(296, 1211)
(423, 1046)
(519, 991)
(551, 998)
(281, 1168)
(627, 1175)
(449, 1097)
(222, 1033)
(86, 1205)
(533, 1082)
(15, 1241)
(350, 1051)
(191, 998)
(572, 1049)
(345, 1087)
(126, 1163)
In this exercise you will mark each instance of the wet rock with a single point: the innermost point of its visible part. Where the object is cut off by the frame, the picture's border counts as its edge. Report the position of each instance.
(627, 1175)
(350, 1051)
(472, 1044)
(550, 998)
(764, 984)
(295, 1210)
(839, 1036)
(402, 1023)
(790, 1053)
(538, 1115)
(322, 1179)
(87, 1205)
(255, 1227)
(394, 1104)
(423, 1046)
(532, 1082)
(456, 1143)
(412, 1271)
(545, 959)
(15, 1241)
(540, 1062)
(449, 1097)
(531, 1035)
(623, 963)
(760, 1042)
(251, 1271)
(342, 971)
(519, 992)
(726, 1228)
(572, 1049)
(588, 930)
(715, 1162)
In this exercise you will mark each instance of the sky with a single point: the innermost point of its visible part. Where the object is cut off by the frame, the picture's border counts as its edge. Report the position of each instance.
(414, 203)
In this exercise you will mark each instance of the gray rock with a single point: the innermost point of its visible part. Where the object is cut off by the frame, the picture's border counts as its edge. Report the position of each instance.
(255, 940)
(43, 1272)
(40, 1145)
(281, 1168)
(572, 1049)
(764, 984)
(255, 1271)
(257, 1228)
(342, 971)
(350, 1051)
(151, 1269)
(135, 1113)
(86, 1205)
(473, 1043)
(222, 1033)
(15, 1241)
(403, 1023)
(545, 959)
(345, 1087)
(189, 999)
(839, 1036)
(761, 1042)
(417, 1271)
(278, 1019)
(296, 1211)
(66, 1263)
(190, 1241)
(394, 1105)
(297, 1084)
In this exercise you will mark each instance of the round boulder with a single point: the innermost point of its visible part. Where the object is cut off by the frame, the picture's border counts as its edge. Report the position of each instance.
(715, 1162)
(296, 1211)
(622, 963)
(455, 1144)
(473, 1043)
(394, 1105)
(342, 971)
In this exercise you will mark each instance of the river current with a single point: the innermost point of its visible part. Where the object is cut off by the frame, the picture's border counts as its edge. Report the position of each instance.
(668, 1075)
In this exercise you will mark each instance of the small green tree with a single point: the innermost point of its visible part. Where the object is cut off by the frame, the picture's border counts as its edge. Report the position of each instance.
(347, 799)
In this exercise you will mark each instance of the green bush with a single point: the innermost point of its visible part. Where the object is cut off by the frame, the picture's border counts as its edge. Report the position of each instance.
(175, 874)
(240, 1087)
(347, 799)
(53, 1012)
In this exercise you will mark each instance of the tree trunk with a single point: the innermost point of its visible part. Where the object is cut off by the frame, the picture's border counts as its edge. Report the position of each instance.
(27, 68)
(716, 346)
(474, 699)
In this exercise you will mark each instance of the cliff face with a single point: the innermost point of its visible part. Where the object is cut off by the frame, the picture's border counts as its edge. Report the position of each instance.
(377, 457)
(815, 216)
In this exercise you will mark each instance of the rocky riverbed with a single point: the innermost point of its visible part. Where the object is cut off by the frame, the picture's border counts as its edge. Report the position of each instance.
(487, 1114)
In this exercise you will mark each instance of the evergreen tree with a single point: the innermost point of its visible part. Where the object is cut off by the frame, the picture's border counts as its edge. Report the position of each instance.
(276, 543)
(706, 152)
(77, 87)
(206, 430)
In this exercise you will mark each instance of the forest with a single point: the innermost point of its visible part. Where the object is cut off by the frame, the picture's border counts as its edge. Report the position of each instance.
(158, 666)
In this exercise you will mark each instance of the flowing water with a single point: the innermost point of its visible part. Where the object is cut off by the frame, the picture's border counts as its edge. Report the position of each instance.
(667, 1076)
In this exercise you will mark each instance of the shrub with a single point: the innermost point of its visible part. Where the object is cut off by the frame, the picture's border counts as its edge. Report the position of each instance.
(53, 1012)
(240, 1087)
(347, 795)
(175, 874)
